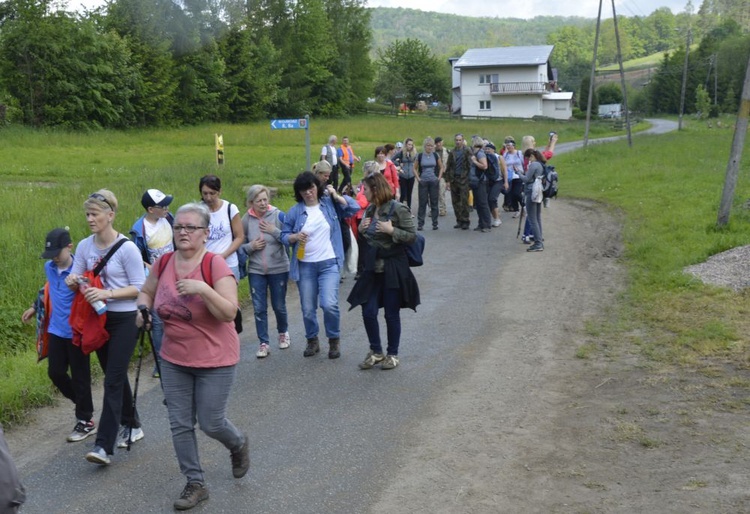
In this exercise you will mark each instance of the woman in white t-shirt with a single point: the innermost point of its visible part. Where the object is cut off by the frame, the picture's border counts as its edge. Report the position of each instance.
(226, 234)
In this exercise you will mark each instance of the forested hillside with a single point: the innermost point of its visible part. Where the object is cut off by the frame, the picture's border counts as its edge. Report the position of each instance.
(448, 34)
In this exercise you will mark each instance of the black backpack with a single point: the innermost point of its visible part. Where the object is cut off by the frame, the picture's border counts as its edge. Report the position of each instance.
(549, 181)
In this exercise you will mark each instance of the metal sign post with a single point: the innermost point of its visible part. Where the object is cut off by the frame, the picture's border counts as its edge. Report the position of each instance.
(293, 124)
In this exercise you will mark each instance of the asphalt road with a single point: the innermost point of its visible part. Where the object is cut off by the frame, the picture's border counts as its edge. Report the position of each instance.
(325, 436)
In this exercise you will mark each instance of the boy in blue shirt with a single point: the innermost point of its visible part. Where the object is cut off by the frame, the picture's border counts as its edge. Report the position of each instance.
(62, 354)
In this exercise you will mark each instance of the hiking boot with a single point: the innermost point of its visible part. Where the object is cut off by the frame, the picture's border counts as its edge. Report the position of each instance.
(81, 431)
(536, 247)
(458, 225)
(333, 348)
(434, 227)
(241, 459)
(263, 351)
(135, 435)
(371, 360)
(390, 362)
(465, 226)
(98, 456)
(284, 341)
(420, 227)
(192, 495)
(313, 347)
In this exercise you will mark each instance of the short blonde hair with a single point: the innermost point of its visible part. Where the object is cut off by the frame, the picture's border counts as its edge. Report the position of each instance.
(527, 142)
(104, 199)
(370, 167)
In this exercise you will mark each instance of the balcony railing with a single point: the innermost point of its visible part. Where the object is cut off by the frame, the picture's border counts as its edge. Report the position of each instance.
(519, 88)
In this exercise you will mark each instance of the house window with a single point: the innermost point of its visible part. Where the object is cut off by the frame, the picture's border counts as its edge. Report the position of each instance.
(485, 105)
(485, 79)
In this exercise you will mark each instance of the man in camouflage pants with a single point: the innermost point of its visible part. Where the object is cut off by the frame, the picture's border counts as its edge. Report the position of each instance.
(457, 174)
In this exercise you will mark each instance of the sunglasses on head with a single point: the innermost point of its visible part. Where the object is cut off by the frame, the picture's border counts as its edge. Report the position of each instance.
(100, 197)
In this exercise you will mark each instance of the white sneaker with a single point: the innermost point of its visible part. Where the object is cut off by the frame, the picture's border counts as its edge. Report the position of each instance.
(262, 351)
(135, 435)
(98, 456)
(497, 222)
(284, 341)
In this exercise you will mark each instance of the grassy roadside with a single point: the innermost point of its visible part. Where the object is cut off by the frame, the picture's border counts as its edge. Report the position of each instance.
(668, 190)
(47, 175)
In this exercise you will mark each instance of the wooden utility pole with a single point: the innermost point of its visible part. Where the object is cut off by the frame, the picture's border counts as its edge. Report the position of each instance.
(593, 72)
(684, 80)
(740, 131)
(622, 79)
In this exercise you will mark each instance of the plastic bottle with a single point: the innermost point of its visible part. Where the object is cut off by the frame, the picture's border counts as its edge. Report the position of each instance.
(99, 306)
(301, 250)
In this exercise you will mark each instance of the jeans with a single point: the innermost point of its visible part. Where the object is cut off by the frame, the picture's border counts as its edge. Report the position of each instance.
(534, 213)
(391, 301)
(319, 280)
(76, 387)
(198, 394)
(429, 191)
(157, 334)
(481, 204)
(259, 286)
(114, 357)
(407, 187)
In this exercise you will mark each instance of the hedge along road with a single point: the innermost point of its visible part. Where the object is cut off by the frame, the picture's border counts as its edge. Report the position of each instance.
(486, 363)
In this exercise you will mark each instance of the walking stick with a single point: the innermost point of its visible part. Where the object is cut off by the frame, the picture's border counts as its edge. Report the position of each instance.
(520, 218)
(137, 379)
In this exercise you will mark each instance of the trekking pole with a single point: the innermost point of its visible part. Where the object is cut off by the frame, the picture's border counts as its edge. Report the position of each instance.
(137, 380)
(520, 217)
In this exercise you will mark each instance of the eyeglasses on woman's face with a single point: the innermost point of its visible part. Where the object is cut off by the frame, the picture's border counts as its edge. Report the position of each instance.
(187, 228)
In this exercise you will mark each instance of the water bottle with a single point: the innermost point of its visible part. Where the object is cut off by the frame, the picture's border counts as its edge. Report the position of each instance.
(301, 250)
(99, 306)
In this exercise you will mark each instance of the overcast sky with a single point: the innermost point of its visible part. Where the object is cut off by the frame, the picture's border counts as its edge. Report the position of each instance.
(515, 8)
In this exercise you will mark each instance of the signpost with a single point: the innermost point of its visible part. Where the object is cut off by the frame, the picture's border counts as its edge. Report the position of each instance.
(292, 124)
(219, 143)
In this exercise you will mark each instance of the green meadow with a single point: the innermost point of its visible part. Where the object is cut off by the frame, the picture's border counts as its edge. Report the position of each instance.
(666, 191)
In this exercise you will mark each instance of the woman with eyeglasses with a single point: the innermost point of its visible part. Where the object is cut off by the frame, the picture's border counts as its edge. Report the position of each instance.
(225, 235)
(195, 293)
(386, 280)
(122, 278)
(313, 230)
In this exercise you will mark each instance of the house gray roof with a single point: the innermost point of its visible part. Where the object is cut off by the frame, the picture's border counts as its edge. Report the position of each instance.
(505, 56)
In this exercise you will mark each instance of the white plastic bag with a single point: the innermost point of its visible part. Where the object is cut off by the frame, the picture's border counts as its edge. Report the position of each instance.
(536, 190)
(352, 255)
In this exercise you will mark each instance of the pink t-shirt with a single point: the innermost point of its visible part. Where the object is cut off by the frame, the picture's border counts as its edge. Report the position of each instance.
(192, 335)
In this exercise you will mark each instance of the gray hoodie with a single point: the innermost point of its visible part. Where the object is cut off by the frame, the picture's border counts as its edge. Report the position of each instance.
(273, 258)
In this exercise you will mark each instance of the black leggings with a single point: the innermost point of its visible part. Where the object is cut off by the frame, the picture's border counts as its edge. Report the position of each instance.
(347, 171)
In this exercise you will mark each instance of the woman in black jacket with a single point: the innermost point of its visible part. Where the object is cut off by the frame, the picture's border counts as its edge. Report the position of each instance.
(386, 228)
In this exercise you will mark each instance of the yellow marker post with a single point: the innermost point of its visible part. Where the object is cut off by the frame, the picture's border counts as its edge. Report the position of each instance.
(219, 140)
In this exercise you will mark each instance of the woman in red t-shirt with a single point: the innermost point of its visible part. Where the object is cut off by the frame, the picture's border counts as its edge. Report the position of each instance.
(197, 300)
(388, 169)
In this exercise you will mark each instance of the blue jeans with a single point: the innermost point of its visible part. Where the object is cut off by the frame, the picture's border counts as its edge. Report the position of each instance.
(259, 286)
(319, 280)
(391, 301)
(198, 394)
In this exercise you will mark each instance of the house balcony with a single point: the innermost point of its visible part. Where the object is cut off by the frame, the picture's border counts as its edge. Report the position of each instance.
(519, 88)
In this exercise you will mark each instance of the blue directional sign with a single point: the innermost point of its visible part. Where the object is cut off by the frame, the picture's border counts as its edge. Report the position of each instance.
(297, 123)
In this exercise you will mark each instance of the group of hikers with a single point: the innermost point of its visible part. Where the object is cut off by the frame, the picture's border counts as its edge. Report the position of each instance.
(176, 276)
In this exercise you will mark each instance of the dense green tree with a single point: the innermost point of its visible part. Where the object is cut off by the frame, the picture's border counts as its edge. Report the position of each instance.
(62, 71)
(609, 93)
(202, 86)
(252, 74)
(702, 102)
(583, 97)
(413, 65)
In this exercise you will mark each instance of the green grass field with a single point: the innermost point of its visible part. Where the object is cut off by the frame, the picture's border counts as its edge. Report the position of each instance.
(666, 189)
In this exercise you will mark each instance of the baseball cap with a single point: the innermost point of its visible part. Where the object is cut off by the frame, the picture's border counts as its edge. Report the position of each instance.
(399, 144)
(57, 239)
(154, 197)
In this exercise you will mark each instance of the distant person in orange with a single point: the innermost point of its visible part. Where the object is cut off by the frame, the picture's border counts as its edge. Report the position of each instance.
(347, 160)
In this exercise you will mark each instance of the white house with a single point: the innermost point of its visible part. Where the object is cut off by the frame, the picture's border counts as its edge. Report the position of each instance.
(508, 82)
